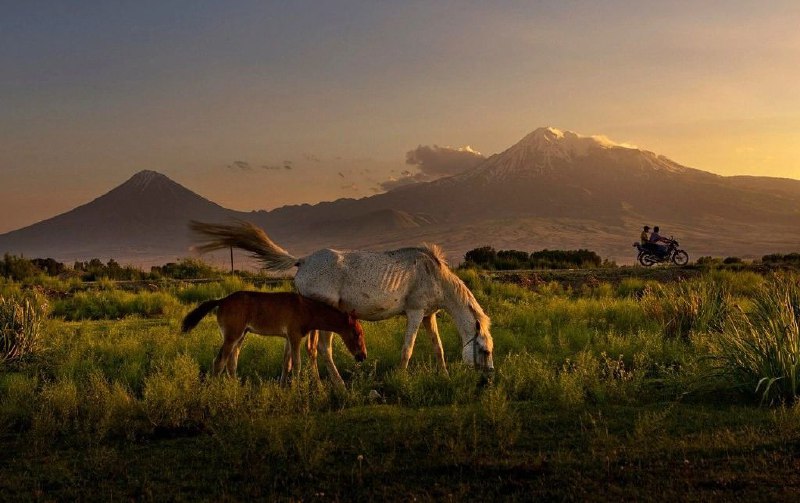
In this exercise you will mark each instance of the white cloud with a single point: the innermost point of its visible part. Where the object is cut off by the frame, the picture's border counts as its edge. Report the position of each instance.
(434, 162)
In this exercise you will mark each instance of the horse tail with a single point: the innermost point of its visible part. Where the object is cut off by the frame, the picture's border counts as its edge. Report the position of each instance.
(193, 318)
(246, 236)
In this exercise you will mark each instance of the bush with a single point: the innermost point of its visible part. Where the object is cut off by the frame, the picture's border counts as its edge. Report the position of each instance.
(778, 258)
(709, 261)
(760, 350)
(114, 304)
(565, 259)
(687, 307)
(20, 327)
(486, 257)
(483, 256)
(188, 268)
(172, 397)
(192, 294)
(17, 406)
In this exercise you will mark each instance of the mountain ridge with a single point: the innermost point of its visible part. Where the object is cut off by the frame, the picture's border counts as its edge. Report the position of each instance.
(551, 189)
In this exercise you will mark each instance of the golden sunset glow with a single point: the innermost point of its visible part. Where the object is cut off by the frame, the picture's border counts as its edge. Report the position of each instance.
(305, 103)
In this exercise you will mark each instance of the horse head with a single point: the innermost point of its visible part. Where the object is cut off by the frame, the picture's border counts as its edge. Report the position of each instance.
(354, 337)
(478, 350)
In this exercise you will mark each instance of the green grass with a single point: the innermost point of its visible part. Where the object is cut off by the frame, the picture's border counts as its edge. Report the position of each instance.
(594, 396)
(760, 350)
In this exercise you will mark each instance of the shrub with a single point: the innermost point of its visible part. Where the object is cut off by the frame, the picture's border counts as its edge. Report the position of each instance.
(114, 304)
(214, 290)
(631, 287)
(560, 259)
(17, 406)
(58, 410)
(172, 397)
(760, 350)
(187, 268)
(108, 409)
(483, 256)
(709, 261)
(20, 326)
(686, 307)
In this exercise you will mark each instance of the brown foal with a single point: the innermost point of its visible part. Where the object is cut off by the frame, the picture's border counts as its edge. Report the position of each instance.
(283, 314)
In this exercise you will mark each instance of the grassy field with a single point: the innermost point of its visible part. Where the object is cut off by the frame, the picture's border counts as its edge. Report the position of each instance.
(670, 387)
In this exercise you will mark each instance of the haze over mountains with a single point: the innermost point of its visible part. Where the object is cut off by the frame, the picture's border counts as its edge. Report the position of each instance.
(553, 189)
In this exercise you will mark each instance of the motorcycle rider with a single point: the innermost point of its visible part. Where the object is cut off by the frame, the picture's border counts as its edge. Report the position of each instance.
(656, 238)
(645, 237)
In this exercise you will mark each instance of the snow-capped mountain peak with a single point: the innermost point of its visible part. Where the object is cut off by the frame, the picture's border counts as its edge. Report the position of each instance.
(553, 150)
(564, 143)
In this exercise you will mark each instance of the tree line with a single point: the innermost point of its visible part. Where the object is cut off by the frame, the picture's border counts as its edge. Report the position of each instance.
(22, 269)
(487, 257)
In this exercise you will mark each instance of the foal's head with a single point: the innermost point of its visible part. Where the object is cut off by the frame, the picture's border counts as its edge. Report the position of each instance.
(353, 338)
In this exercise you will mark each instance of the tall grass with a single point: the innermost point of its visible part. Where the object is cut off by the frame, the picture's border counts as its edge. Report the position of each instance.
(136, 375)
(114, 304)
(689, 307)
(759, 352)
(201, 292)
(21, 320)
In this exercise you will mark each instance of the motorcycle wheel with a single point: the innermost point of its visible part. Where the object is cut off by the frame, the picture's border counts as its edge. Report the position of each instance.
(680, 257)
(646, 259)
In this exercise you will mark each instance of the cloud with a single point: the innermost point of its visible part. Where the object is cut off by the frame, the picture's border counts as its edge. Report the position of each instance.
(240, 165)
(443, 161)
(434, 162)
(246, 166)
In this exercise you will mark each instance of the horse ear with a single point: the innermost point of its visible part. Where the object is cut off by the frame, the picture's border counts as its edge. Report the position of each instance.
(351, 317)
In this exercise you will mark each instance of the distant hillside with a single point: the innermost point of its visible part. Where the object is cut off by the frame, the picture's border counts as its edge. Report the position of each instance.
(143, 218)
(558, 189)
(553, 189)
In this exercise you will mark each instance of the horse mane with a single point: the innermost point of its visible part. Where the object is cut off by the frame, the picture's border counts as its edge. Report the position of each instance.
(459, 289)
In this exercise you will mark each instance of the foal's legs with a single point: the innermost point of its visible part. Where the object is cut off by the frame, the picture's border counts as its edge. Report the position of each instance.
(429, 322)
(326, 345)
(233, 359)
(287, 361)
(294, 345)
(231, 336)
(312, 341)
(296, 339)
(413, 319)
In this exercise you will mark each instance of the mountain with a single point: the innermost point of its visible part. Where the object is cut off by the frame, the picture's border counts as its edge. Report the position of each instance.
(142, 218)
(558, 189)
(552, 189)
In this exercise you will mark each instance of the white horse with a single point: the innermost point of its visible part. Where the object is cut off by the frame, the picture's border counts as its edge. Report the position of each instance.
(373, 286)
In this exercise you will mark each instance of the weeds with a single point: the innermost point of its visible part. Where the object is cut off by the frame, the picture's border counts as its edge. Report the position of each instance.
(114, 305)
(689, 307)
(759, 352)
(569, 350)
(21, 322)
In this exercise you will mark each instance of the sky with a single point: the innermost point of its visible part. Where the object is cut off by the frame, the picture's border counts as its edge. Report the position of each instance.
(258, 104)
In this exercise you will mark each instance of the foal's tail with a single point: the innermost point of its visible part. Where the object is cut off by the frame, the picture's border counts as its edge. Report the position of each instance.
(246, 236)
(193, 318)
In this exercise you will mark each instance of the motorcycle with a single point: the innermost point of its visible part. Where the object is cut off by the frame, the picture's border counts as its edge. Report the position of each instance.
(648, 256)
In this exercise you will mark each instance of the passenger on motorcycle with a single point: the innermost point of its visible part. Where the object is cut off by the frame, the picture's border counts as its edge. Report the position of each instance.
(645, 237)
(656, 238)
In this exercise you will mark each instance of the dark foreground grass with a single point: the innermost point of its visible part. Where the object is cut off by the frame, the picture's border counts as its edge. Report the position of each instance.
(663, 451)
(595, 397)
